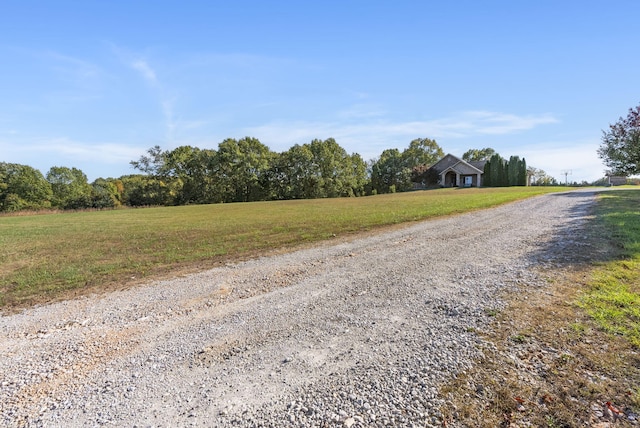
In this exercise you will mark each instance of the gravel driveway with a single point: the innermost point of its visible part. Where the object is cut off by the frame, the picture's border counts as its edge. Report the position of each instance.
(358, 333)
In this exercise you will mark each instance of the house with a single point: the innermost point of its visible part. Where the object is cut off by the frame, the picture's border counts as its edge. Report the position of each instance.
(617, 180)
(451, 171)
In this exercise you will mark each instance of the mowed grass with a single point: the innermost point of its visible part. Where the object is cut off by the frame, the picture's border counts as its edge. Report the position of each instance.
(613, 298)
(52, 256)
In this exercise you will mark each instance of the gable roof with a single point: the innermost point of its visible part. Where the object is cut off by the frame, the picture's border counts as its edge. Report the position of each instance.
(454, 163)
(479, 164)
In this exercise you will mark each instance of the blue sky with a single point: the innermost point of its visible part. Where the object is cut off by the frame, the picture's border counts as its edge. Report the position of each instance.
(93, 84)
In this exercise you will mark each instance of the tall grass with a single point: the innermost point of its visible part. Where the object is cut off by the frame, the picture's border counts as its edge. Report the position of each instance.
(613, 299)
(44, 257)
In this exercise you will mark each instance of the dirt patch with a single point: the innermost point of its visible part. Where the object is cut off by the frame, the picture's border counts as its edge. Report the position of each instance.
(546, 364)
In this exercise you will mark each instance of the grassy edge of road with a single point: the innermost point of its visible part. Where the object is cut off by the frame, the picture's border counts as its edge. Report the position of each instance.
(55, 256)
(566, 355)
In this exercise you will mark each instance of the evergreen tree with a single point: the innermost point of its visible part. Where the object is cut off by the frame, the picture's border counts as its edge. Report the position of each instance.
(504, 173)
(496, 170)
(513, 171)
(522, 173)
(486, 176)
(500, 173)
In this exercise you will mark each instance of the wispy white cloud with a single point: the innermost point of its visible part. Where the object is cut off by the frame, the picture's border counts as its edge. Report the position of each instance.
(493, 123)
(159, 88)
(169, 117)
(62, 78)
(75, 68)
(136, 61)
(145, 70)
(370, 133)
(361, 111)
(103, 152)
(240, 62)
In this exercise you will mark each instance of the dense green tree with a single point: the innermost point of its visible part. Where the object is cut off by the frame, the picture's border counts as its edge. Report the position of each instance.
(163, 185)
(107, 193)
(193, 172)
(180, 176)
(487, 180)
(243, 164)
(513, 170)
(338, 173)
(3, 179)
(310, 166)
(497, 172)
(147, 190)
(201, 183)
(472, 155)
(523, 177)
(23, 188)
(422, 151)
(319, 169)
(389, 173)
(246, 170)
(294, 175)
(500, 173)
(358, 180)
(517, 171)
(70, 187)
(394, 171)
(504, 174)
(275, 180)
(620, 148)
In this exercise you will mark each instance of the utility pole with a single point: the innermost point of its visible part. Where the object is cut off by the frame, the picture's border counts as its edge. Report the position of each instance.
(566, 173)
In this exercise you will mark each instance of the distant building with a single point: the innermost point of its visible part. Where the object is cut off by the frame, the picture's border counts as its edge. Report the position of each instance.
(450, 171)
(616, 180)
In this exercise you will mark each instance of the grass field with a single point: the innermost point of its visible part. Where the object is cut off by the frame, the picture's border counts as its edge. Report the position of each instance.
(51, 256)
(613, 298)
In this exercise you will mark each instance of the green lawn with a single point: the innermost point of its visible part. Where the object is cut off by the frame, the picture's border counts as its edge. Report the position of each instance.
(613, 299)
(47, 256)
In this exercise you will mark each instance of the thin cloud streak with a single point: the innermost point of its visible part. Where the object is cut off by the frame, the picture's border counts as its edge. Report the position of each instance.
(169, 118)
(145, 71)
(376, 134)
(498, 123)
(75, 68)
(112, 153)
(149, 74)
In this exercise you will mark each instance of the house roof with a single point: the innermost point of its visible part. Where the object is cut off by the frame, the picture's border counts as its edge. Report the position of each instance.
(478, 164)
(462, 168)
(454, 163)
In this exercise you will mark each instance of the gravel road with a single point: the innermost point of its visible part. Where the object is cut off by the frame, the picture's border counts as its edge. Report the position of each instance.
(356, 333)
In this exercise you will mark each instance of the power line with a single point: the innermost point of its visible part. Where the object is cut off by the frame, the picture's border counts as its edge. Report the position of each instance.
(566, 173)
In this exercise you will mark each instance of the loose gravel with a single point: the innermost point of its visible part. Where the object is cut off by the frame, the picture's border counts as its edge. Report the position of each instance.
(357, 334)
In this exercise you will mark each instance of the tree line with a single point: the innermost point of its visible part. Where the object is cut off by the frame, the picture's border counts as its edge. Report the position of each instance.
(240, 170)
(237, 171)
